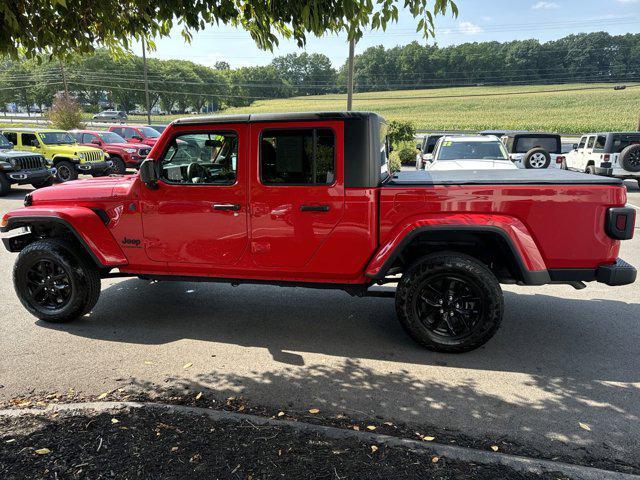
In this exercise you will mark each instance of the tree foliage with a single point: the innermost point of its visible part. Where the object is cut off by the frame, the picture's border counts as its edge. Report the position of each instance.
(65, 113)
(400, 132)
(62, 27)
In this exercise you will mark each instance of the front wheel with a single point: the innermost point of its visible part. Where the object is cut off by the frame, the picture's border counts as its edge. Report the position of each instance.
(54, 283)
(449, 302)
(119, 167)
(66, 171)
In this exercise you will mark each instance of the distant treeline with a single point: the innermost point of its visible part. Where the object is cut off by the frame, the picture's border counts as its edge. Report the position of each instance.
(179, 85)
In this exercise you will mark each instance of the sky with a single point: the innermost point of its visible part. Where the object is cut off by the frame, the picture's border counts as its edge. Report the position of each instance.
(478, 21)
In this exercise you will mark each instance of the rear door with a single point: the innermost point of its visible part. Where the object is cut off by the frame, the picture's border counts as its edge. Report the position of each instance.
(297, 190)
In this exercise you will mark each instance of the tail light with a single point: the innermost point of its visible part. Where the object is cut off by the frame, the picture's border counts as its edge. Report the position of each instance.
(620, 223)
(605, 157)
(559, 159)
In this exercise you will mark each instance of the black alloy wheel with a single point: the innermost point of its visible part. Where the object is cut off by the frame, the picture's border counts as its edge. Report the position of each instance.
(48, 285)
(449, 305)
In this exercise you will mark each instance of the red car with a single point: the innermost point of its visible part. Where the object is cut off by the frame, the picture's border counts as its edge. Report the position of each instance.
(136, 133)
(307, 200)
(122, 153)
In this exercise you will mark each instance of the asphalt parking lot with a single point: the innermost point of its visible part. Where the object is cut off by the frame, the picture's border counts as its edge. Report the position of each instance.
(562, 357)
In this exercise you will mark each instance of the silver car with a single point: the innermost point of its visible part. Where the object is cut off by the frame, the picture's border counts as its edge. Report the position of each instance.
(110, 115)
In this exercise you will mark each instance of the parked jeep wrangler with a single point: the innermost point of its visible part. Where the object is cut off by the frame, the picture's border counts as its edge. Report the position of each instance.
(425, 149)
(613, 154)
(22, 168)
(61, 150)
(534, 150)
(306, 199)
(121, 153)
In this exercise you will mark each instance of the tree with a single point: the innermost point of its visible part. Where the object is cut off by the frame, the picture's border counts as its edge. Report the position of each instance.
(64, 27)
(65, 113)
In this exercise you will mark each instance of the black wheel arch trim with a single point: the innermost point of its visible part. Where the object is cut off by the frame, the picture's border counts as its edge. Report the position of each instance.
(529, 277)
(17, 222)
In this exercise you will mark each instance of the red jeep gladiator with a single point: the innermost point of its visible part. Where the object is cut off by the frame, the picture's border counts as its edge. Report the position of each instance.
(122, 154)
(306, 199)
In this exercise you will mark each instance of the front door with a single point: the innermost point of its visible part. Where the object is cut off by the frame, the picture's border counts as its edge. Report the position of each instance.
(197, 215)
(297, 190)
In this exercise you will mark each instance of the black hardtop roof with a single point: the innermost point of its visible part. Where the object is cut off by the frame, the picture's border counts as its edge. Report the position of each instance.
(273, 117)
(610, 133)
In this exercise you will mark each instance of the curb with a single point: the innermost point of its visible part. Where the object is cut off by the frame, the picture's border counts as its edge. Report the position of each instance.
(454, 452)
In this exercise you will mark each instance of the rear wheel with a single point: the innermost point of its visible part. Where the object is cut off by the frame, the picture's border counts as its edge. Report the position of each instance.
(449, 302)
(66, 171)
(630, 158)
(54, 283)
(591, 170)
(5, 186)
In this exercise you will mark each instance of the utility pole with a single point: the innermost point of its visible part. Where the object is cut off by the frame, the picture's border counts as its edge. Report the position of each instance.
(64, 80)
(352, 47)
(146, 82)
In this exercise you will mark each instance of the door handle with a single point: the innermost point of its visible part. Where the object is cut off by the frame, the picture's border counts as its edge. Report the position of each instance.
(314, 208)
(226, 206)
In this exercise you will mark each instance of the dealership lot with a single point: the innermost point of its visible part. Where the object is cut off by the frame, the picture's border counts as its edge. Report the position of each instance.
(562, 357)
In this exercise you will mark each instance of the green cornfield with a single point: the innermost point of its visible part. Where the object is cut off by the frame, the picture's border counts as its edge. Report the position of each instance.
(569, 108)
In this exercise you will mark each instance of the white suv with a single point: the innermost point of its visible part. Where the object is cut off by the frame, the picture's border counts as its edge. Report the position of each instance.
(613, 154)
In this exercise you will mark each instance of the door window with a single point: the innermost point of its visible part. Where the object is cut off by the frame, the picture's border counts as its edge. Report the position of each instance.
(599, 145)
(12, 137)
(297, 157)
(201, 158)
(87, 138)
(29, 140)
(129, 133)
(583, 142)
(591, 142)
(118, 131)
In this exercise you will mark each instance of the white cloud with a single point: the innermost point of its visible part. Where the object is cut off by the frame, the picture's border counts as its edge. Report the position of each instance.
(469, 28)
(628, 1)
(542, 5)
(486, 18)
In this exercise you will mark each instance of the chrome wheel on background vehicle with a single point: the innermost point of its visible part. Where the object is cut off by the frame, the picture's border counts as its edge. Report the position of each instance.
(537, 158)
(449, 302)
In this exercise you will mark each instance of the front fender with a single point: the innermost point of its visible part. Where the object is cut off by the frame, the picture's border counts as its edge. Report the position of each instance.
(511, 229)
(83, 222)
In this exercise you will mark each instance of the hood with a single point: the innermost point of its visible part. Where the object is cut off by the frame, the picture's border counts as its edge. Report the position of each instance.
(7, 154)
(127, 145)
(101, 188)
(479, 164)
(150, 141)
(71, 149)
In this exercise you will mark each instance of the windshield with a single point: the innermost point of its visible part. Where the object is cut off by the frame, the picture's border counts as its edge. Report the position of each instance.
(149, 132)
(4, 143)
(466, 150)
(111, 137)
(56, 138)
(550, 144)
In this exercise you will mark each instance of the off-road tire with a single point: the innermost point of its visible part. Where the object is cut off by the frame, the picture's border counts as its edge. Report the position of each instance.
(591, 170)
(630, 158)
(119, 167)
(463, 266)
(46, 183)
(83, 277)
(67, 169)
(533, 158)
(5, 186)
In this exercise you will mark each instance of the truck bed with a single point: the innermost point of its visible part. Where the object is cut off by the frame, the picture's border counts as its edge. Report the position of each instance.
(498, 177)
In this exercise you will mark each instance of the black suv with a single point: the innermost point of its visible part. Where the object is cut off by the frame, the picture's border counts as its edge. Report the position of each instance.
(22, 168)
(534, 150)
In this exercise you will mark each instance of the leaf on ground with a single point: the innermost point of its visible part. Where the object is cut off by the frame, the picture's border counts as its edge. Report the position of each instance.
(435, 459)
(374, 449)
(281, 414)
(584, 426)
(428, 438)
(371, 427)
(241, 408)
(389, 424)
(356, 428)
(43, 451)
(174, 449)
(103, 395)
(11, 440)
(313, 411)
(149, 362)
(187, 365)
(115, 420)
(199, 396)
(494, 448)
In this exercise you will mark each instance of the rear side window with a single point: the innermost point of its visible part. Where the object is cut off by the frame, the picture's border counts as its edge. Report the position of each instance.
(550, 144)
(29, 140)
(431, 143)
(297, 157)
(117, 130)
(583, 142)
(599, 145)
(620, 142)
(591, 142)
(12, 137)
(87, 138)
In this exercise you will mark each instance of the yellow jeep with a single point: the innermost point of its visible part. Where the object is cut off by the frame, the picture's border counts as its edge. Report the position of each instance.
(61, 151)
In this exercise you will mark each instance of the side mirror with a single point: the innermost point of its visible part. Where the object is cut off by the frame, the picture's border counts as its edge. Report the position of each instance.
(136, 138)
(148, 173)
(95, 141)
(35, 143)
(418, 146)
(11, 145)
(575, 146)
